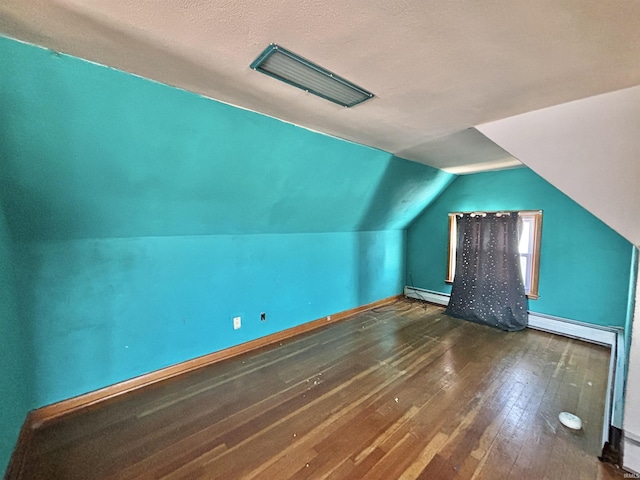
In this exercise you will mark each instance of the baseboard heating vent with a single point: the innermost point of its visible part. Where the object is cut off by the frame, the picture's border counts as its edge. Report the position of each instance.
(631, 449)
(427, 295)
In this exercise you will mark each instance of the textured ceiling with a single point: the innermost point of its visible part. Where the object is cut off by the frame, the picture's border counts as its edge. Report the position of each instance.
(437, 68)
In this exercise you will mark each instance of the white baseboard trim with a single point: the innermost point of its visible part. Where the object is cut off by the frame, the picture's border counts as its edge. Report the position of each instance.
(570, 328)
(607, 336)
(539, 321)
(427, 295)
(632, 437)
(631, 449)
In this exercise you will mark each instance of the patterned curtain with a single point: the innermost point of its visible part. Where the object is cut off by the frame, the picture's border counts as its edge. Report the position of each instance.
(488, 286)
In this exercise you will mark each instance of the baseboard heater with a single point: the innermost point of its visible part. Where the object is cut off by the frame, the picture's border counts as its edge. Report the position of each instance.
(606, 336)
(631, 449)
(427, 295)
(562, 326)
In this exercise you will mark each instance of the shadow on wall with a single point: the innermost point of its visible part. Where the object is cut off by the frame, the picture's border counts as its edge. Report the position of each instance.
(16, 381)
(57, 321)
(380, 258)
(15, 354)
(26, 306)
(404, 190)
(19, 197)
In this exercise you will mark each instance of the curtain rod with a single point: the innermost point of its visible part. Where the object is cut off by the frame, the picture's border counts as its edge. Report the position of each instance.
(498, 213)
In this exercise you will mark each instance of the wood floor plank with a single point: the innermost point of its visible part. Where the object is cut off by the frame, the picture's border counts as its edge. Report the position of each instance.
(402, 392)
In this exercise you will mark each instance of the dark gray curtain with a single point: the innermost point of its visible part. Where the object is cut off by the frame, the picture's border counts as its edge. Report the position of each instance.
(488, 286)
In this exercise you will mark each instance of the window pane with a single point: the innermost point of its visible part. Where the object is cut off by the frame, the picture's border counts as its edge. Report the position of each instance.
(523, 271)
(528, 248)
(525, 237)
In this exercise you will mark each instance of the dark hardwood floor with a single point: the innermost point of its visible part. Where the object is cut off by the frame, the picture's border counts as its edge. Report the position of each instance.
(398, 393)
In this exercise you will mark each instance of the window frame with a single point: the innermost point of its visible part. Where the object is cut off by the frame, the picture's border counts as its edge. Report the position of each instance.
(534, 277)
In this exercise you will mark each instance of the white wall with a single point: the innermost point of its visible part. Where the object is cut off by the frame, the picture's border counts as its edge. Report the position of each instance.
(589, 149)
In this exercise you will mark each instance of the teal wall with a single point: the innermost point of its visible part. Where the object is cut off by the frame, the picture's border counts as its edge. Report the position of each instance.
(13, 381)
(140, 219)
(105, 310)
(144, 218)
(92, 152)
(584, 265)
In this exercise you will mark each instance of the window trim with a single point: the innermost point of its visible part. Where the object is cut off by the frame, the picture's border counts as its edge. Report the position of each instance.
(533, 293)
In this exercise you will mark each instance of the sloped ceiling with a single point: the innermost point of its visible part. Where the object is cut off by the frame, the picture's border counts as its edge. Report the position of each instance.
(91, 152)
(437, 68)
(589, 149)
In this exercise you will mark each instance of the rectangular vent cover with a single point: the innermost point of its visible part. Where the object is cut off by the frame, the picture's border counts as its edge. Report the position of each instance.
(284, 65)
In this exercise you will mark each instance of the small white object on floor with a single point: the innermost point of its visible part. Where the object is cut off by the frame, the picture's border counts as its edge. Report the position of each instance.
(570, 420)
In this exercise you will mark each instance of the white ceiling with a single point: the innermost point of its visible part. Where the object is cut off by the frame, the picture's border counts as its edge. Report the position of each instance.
(589, 149)
(437, 68)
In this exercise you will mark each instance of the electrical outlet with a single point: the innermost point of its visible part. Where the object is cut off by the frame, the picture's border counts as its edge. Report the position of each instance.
(263, 316)
(237, 323)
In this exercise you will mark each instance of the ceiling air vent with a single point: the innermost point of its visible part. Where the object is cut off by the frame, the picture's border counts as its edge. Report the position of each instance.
(284, 65)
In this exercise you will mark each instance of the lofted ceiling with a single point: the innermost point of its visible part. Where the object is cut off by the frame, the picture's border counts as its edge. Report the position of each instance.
(588, 149)
(437, 68)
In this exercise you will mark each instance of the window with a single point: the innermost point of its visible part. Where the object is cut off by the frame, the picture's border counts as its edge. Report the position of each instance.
(529, 249)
